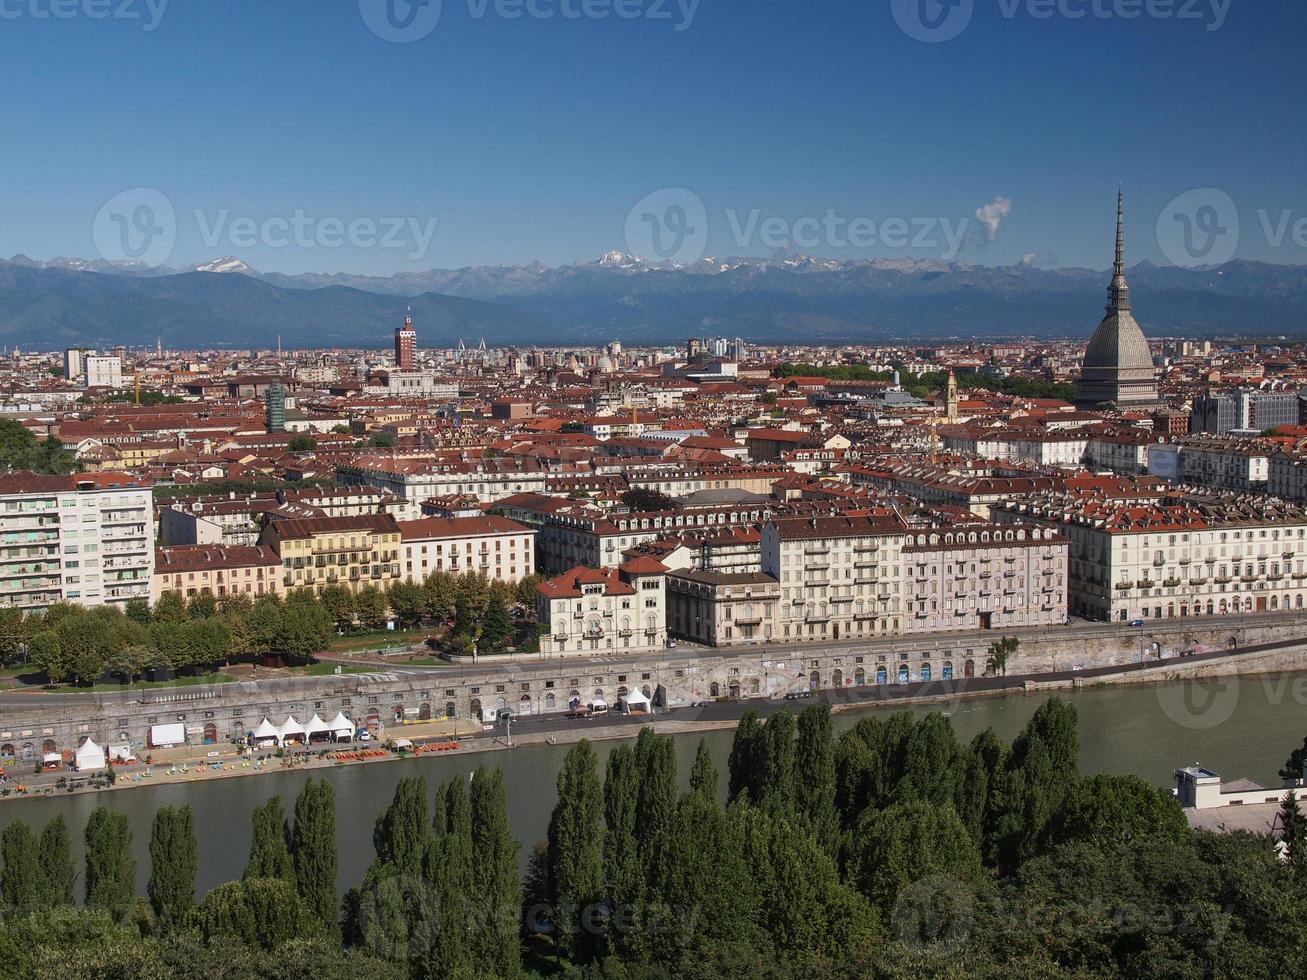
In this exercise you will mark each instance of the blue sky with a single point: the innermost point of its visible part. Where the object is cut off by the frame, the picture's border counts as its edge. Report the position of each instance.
(532, 138)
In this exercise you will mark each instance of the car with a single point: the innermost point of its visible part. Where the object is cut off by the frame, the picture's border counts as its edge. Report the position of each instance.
(1137, 623)
(364, 735)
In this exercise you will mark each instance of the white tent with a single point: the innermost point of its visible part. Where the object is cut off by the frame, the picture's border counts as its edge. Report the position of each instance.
(340, 725)
(634, 701)
(89, 756)
(316, 726)
(267, 732)
(290, 728)
(121, 753)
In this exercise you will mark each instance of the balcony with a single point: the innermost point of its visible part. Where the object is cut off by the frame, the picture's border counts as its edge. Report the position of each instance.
(1145, 583)
(1159, 562)
(624, 633)
(1222, 580)
(816, 550)
(748, 620)
(1171, 583)
(816, 617)
(1198, 581)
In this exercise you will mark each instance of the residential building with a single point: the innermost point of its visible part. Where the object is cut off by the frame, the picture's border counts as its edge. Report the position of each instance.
(87, 539)
(723, 608)
(603, 610)
(248, 570)
(320, 551)
(496, 547)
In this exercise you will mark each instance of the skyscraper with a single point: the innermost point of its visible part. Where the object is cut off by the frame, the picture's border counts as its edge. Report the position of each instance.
(276, 407)
(406, 342)
(1118, 366)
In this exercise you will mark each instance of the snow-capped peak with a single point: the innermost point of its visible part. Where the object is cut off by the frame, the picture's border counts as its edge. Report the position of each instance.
(619, 259)
(227, 263)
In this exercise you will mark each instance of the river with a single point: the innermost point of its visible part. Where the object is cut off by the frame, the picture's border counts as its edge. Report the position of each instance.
(1235, 726)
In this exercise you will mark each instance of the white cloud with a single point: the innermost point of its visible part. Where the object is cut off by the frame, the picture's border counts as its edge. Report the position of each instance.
(992, 215)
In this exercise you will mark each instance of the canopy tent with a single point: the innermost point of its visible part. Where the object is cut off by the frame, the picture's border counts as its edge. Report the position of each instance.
(267, 732)
(290, 728)
(166, 736)
(403, 743)
(50, 759)
(121, 753)
(340, 725)
(89, 756)
(634, 701)
(317, 727)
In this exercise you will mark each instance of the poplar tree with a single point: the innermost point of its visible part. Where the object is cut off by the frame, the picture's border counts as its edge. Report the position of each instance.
(313, 850)
(624, 880)
(744, 764)
(447, 865)
(655, 759)
(20, 878)
(703, 775)
(110, 868)
(269, 849)
(776, 785)
(56, 860)
(814, 775)
(402, 831)
(174, 861)
(495, 942)
(575, 856)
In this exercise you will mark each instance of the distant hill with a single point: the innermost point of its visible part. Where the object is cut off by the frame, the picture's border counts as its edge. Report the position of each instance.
(68, 301)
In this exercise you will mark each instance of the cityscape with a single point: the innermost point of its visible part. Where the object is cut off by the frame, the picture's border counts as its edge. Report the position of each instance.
(607, 546)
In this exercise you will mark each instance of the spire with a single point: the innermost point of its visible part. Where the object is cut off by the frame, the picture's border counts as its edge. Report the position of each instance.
(1118, 294)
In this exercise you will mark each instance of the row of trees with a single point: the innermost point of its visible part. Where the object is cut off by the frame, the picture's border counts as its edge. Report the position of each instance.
(20, 450)
(76, 643)
(892, 850)
(923, 384)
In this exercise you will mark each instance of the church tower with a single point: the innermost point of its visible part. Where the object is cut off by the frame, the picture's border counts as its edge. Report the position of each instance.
(1118, 366)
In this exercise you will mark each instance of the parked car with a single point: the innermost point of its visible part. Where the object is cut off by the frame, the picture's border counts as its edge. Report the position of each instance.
(1137, 623)
(364, 735)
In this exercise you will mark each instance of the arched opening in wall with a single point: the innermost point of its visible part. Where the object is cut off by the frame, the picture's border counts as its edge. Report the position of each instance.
(947, 670)
(837, 679)
(573, 699)
(882, 675)
(903, 673)
(424, 711)
(859, 677)
(476, 709)
(210, 733)
(49, 745)
(450, 709)
(623, 691)
(397, 712)
(29, 751)
(1211, 608)
(374, 719)
(714, 690)
(7, 750)
(968, 668)
(926, 673)
(814, 681)
(734, 691)
(550, 701)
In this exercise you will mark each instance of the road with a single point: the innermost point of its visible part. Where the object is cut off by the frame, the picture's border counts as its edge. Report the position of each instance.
(687, 654)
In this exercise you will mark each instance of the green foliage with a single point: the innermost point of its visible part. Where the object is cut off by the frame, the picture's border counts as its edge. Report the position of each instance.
(574, 878)
(270, 843)
(110, 867)
(20, 877)
(302, 443)
(703, 774)
(647, 499)
(21, 450)
(174, 863)
(313, 850)
(494, 933)
(922, 384)
(382, 440)
(1000, 652)
(56, 864)
(496, 626)
(408, 601)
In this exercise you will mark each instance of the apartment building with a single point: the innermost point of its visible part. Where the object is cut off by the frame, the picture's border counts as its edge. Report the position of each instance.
(495, 547)
(320, 551)
(1186, 556)
(723, 608)
(603, 610)
(249, 570)
(420, 478)
(87, 538)
(1225, 463)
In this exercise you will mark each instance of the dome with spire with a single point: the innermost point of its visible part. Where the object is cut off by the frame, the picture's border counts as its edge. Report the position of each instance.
(1118, 364)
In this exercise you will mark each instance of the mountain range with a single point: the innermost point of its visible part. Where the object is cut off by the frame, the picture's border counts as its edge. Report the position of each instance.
(225, 302)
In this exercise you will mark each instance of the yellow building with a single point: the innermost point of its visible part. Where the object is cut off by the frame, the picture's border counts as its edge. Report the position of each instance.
(320, 551)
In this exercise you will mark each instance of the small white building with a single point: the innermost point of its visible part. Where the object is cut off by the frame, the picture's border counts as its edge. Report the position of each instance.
(601, 610)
